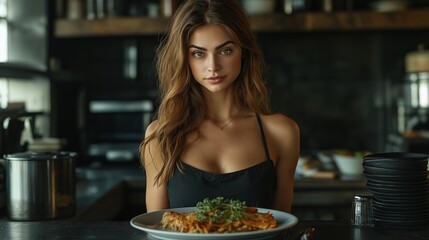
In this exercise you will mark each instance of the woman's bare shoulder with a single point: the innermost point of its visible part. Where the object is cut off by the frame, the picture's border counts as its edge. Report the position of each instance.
(151, 128)
(284, 134)
(283, 130)
(280, 123)
(151, 151)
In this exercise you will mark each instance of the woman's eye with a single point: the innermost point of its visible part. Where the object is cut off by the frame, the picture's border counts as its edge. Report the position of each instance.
(197, 54)
(226, 51)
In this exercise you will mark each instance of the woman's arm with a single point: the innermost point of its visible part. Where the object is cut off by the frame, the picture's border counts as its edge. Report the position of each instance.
(156, 195)
(285, 137)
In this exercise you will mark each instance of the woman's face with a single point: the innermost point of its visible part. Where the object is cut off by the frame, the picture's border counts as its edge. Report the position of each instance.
(214, 58)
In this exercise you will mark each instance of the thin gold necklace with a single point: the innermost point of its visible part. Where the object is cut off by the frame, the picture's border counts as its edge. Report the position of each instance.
(221, 127)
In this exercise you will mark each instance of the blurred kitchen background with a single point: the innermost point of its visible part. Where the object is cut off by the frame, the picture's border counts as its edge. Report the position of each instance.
(78, 75)
(84, 70)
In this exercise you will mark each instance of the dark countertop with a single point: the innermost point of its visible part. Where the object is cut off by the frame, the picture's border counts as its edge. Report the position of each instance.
(124, 231)
(101, 187)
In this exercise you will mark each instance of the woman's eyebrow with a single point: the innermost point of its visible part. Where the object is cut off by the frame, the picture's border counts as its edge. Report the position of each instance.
(218, 47)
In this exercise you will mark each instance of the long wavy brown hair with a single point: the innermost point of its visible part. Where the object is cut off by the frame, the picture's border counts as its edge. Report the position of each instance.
(182, 108)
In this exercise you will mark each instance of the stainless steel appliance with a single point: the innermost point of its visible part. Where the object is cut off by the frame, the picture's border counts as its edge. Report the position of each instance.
(412, 113)
(40, 186)
(414, 108)
(23, 38)
(116, 128)
(416, 101)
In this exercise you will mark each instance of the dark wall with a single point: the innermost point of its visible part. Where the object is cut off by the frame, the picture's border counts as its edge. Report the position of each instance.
(339, 86)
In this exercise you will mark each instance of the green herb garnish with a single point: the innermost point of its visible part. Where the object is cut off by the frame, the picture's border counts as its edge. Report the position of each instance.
(220, 210)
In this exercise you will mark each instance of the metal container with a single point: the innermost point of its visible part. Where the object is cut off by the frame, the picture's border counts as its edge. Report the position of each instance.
(40, 185)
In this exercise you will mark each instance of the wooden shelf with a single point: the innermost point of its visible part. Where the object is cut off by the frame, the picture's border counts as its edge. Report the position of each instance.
(344, 21)
(306, 22)
(110, 27)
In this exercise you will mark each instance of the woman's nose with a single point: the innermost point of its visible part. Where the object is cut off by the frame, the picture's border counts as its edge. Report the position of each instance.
(213, 64)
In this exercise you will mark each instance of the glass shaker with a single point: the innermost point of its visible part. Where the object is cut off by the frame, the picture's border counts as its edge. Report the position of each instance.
(362, 212)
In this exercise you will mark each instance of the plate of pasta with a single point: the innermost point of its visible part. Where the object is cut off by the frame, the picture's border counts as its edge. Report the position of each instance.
(232, 221)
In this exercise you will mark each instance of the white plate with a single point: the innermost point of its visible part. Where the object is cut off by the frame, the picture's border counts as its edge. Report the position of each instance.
(150, 223)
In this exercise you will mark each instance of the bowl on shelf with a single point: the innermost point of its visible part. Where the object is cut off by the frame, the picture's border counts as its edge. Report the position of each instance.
(389, 5)
(257, 7)
(348, 164)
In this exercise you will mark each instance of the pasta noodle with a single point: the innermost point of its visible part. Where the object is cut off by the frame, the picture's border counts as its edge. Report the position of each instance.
(252, 220)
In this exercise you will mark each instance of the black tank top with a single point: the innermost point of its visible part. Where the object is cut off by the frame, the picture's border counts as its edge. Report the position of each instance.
(254, 185)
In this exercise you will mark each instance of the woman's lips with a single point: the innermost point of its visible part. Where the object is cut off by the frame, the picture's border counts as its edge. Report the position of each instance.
(216, 79)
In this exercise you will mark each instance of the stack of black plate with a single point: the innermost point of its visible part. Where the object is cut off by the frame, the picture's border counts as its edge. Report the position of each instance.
(400, 188)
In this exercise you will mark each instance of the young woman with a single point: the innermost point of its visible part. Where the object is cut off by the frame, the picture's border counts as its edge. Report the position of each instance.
(214, 135)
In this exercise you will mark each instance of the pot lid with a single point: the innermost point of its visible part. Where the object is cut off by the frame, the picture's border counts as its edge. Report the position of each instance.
(39, 155)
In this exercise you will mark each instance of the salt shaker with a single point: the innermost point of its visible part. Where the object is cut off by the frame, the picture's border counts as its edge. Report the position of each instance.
(362, 212)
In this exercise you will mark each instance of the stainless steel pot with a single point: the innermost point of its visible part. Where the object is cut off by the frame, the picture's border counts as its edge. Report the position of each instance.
(40, 186)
